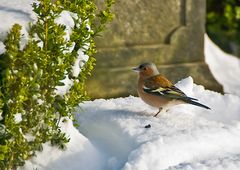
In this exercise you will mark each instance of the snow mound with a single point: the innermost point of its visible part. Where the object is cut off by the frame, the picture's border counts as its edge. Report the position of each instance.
(80, 153)
(225, 67)
(185, 137)
(12, 12)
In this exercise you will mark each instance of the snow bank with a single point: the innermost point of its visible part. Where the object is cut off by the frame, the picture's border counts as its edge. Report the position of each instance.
(80, 153)
(185, 137)
(225, 67)
(12, 12)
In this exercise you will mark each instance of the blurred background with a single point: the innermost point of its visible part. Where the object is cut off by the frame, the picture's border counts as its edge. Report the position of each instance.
(223, 24)
(168, 33)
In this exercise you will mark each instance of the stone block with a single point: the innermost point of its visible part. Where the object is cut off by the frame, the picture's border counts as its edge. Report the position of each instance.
(168, 33)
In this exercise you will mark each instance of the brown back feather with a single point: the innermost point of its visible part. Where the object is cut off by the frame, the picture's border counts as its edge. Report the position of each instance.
(157, 81)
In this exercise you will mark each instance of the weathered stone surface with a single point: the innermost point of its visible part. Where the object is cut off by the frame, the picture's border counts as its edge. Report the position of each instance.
(168, 33)
(141, 22)
(122, 82)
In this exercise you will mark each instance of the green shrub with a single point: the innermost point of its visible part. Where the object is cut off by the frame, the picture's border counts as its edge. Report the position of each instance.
(31, 108)
(223, 24)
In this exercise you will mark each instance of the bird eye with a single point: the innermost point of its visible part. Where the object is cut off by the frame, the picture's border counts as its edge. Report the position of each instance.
(142, 67)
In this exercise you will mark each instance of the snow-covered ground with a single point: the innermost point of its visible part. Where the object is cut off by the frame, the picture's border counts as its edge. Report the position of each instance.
(111, 135)
(184, 138)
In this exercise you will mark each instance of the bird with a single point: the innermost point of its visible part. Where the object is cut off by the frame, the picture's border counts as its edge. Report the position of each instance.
(159, 92)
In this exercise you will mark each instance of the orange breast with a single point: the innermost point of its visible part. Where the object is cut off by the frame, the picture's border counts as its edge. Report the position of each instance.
(152, 100)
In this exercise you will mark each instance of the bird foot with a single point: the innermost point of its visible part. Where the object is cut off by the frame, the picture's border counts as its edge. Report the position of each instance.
(158, 112)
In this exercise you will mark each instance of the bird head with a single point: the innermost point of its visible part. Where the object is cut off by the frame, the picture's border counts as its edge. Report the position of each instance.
(146, 70)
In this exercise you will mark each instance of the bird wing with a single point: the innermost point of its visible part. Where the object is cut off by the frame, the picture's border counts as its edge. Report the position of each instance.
(157, 81)
(161, 86)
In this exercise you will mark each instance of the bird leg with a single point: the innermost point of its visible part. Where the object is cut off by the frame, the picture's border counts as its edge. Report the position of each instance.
(158, 112)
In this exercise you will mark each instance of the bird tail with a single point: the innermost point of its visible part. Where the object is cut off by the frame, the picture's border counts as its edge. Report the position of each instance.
(196, 104)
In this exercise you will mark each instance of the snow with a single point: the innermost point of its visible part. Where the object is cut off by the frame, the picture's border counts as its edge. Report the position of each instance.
(227, 76)
(80, 61)
(112, 133)
(18, 117)
(80, 153)
(2, 48)
(66, 19)
(61, 90)
(12, 12)
(185, 137)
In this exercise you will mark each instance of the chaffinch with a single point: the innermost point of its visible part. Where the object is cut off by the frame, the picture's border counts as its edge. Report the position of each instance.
(157, 91)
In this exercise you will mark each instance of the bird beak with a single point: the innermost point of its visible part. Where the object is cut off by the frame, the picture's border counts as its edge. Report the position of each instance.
(136, 69)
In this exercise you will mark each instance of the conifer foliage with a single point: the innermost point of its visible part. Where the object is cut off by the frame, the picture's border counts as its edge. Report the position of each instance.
(30, 106)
